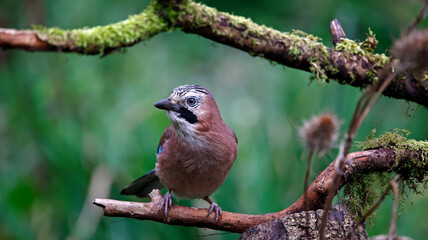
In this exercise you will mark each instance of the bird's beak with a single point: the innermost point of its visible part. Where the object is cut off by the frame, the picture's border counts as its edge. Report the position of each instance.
(165, 104)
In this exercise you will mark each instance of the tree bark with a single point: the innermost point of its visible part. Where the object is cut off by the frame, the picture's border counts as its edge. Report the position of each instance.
(305, 225)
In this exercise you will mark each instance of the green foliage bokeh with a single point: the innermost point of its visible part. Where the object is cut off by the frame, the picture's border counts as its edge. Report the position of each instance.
(64, 115)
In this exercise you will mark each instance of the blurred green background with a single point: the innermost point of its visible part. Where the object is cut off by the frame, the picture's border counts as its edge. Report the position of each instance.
(76, 127)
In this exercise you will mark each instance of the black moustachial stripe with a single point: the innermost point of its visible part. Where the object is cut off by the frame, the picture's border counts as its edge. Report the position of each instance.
(188, 115)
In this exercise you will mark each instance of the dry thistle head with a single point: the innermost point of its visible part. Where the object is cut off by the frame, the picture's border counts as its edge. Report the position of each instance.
(412, 51)
(320, 133)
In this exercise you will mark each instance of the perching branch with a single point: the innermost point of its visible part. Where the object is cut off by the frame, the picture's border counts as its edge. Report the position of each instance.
(348, 63)
(377, 160)
(180, 215)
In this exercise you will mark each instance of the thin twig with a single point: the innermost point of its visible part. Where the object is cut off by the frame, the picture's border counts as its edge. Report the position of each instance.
(393, 226)
(305, 194)
(376, 205)
(338, 166)
(421, 16)
(378, 202)
(364, 105)
(308, 169)
(99, 186)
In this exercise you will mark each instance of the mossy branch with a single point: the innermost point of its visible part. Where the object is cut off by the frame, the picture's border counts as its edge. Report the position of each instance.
(348, 63)
(410, 161)
(366, 188)
(95, 40)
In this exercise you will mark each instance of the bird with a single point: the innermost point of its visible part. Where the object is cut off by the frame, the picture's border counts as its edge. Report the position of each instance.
(195, 153)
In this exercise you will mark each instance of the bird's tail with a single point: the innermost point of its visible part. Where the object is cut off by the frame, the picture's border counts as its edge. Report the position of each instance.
(143, 185)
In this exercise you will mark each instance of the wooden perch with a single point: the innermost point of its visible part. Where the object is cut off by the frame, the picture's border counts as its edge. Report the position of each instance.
(179, 215)
(363, 162)
(348, 62)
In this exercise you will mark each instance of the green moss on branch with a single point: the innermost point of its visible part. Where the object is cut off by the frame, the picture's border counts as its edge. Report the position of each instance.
(396, 139)
(296, 49)
(136, 28)
(411, 159)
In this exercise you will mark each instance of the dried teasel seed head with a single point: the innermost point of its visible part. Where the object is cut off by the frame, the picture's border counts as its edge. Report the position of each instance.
(320, 133)
(412, 51)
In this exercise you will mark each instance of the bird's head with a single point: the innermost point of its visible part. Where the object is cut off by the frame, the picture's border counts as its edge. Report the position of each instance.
(190, 108)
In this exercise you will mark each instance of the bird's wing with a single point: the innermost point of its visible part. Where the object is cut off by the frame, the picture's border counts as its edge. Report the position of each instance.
(143, 185)
(168, 133)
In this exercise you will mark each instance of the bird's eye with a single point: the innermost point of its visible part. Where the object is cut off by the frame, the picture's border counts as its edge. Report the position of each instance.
(191, 101)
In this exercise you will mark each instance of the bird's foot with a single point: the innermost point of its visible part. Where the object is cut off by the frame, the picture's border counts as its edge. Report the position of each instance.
(216, 209)
(166, 203)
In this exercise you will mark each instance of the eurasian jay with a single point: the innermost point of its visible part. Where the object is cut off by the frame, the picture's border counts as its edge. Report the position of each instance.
(195, 152)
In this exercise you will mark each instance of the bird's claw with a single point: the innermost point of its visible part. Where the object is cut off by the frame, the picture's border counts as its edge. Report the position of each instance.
(166, 203)
(216, 208)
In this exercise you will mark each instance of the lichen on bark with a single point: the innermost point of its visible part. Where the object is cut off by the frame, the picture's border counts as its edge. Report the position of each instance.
(305, 225)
